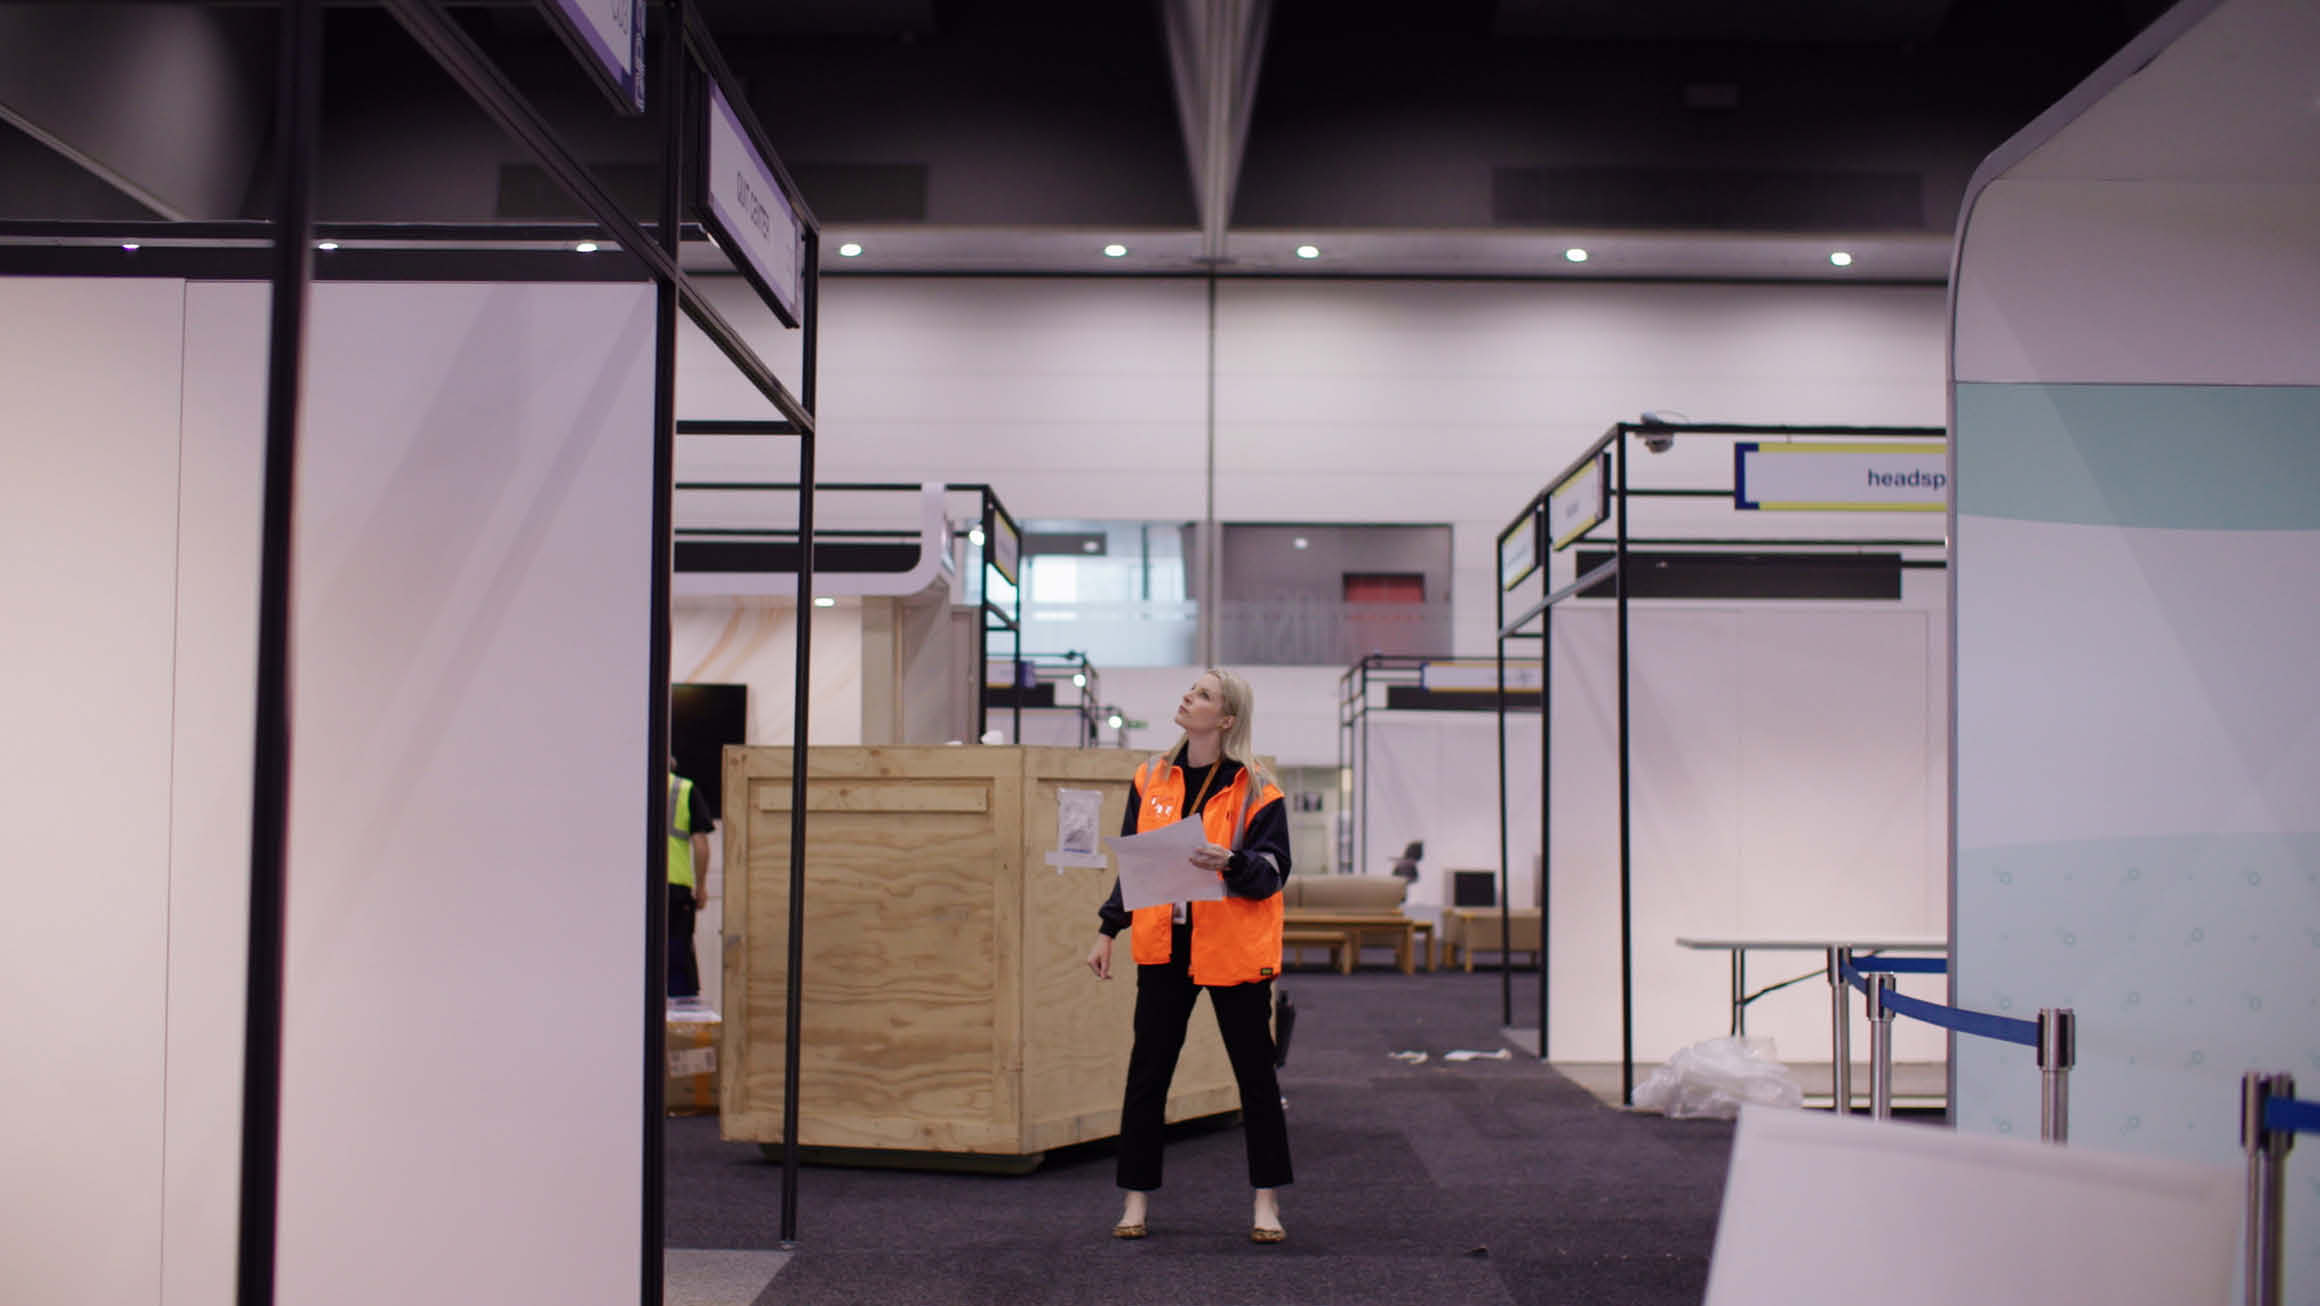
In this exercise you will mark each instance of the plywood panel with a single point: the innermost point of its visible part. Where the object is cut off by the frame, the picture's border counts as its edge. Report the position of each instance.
(946, 1004)
(1077, 1029)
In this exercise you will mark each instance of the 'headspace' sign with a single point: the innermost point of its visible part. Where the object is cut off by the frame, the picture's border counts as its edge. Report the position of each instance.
(1580, 503)
(752, 217)
(1896, 477)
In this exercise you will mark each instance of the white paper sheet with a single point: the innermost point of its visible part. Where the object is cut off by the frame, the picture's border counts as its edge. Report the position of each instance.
(1078, 814)
(1156, 867)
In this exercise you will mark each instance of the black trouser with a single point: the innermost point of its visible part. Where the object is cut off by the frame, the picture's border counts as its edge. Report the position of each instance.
(684, 971)
(1164, 998)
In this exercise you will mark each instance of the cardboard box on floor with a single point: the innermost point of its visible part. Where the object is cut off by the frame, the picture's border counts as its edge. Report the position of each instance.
(692, 1044)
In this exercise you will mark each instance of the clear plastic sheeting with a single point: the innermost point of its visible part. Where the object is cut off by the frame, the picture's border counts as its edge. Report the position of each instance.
(1714, 1078)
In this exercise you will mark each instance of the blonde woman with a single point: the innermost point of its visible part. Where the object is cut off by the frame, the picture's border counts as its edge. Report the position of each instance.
(1229, 948)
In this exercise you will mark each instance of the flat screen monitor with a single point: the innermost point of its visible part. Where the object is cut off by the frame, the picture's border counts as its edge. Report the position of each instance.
(702, 720)
(1474, 888)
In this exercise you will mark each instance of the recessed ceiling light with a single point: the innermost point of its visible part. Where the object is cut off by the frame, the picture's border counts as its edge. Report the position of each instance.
(130, 246)
(1575, 254)
(1841, 259)
(1113, 720)
(825, 602)
(1309, 251)
(1115, 251)
(849, 250)
(1079, 679)
(326, 245)
(975, 537)
(1301, 542)
(1089, 546)
(585, 247)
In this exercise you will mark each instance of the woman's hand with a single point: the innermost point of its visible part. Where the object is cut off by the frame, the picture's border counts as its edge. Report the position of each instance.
(1099, 958)
(1212, 857)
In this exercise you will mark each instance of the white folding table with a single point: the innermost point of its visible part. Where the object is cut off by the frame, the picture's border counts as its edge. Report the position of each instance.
(1837, 952)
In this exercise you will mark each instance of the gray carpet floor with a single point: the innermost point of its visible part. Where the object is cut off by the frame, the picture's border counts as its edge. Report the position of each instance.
(1476, 1182)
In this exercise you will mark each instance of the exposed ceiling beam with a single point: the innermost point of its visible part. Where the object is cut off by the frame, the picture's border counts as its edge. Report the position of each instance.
(1215, 48)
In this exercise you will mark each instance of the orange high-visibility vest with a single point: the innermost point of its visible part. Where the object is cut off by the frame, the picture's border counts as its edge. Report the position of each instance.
(1234, 940)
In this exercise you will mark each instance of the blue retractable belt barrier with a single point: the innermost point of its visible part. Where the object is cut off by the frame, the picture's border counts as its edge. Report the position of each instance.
(2005, 1029)
(2287, 1115)
(1903, 965)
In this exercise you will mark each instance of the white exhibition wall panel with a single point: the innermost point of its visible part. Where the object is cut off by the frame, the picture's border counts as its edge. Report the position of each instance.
(2049, 253)
(220, 515)
(2137, 403)
(2138, 735)
(1071, 398)
(468, 860)
(753, 641)
(1417, 401)
(1784, 779)
(90, 383)
(1433, 777)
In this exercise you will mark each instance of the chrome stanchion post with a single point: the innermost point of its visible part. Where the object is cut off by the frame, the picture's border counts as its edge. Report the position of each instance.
(2057, 1051)
(1739, 992)
(2266, 1184)
(1840, 1034)
(1880, 1048)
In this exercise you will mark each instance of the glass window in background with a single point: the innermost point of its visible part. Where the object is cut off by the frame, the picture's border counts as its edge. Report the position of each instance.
(1328, 595)
(1113, 590)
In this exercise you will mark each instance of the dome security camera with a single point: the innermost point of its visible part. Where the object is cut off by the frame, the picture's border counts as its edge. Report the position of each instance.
(1660, 441)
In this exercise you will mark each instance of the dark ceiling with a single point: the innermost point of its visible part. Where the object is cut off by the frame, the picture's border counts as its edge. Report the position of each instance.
(981, 133)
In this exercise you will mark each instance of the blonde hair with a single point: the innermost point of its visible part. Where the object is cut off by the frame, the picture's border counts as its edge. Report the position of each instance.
(1240, 703)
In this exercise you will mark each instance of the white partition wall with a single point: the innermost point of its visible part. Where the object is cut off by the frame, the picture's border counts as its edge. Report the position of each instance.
(470, 795)
(1786, 768)
(2136, 376)
(462, 1091)
(89, 474)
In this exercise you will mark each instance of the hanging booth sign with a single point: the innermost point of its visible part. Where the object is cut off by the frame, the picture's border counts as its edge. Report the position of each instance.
(1006, 546)
(1518, 552)
(607, 36)
(1580, 504)
(1476, 675)
(1881, 477)
(745, 209)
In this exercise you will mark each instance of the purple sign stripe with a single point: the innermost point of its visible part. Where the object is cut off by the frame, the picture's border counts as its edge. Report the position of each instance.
(615, 62)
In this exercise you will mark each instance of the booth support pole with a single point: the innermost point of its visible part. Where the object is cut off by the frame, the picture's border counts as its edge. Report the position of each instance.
(1016, 737)
(1546, 811)
(1840, 1034)
(980, 685)
(1880, 1048)
(793, 1016)
(1626, 867)
(2057, 1052)
(1505, 935)
(667, 75)
(2266, 1184)
(298, 78)
(1361, 842)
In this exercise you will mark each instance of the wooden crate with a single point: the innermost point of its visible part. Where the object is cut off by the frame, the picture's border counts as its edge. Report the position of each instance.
(946, 1003)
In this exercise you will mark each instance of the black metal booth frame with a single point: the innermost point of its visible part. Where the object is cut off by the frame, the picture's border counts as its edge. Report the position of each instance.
(1613, 446)
(684, 67)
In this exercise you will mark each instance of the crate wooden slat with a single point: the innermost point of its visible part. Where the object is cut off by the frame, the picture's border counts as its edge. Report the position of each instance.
(946, 1003)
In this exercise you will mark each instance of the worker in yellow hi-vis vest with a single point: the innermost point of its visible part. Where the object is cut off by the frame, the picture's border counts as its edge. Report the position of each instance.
(690, 820)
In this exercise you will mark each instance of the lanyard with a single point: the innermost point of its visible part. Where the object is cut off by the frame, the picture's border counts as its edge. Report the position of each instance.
(1193, 808)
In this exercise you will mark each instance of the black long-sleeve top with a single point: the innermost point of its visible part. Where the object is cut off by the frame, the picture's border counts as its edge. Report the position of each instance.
(1259, 867)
